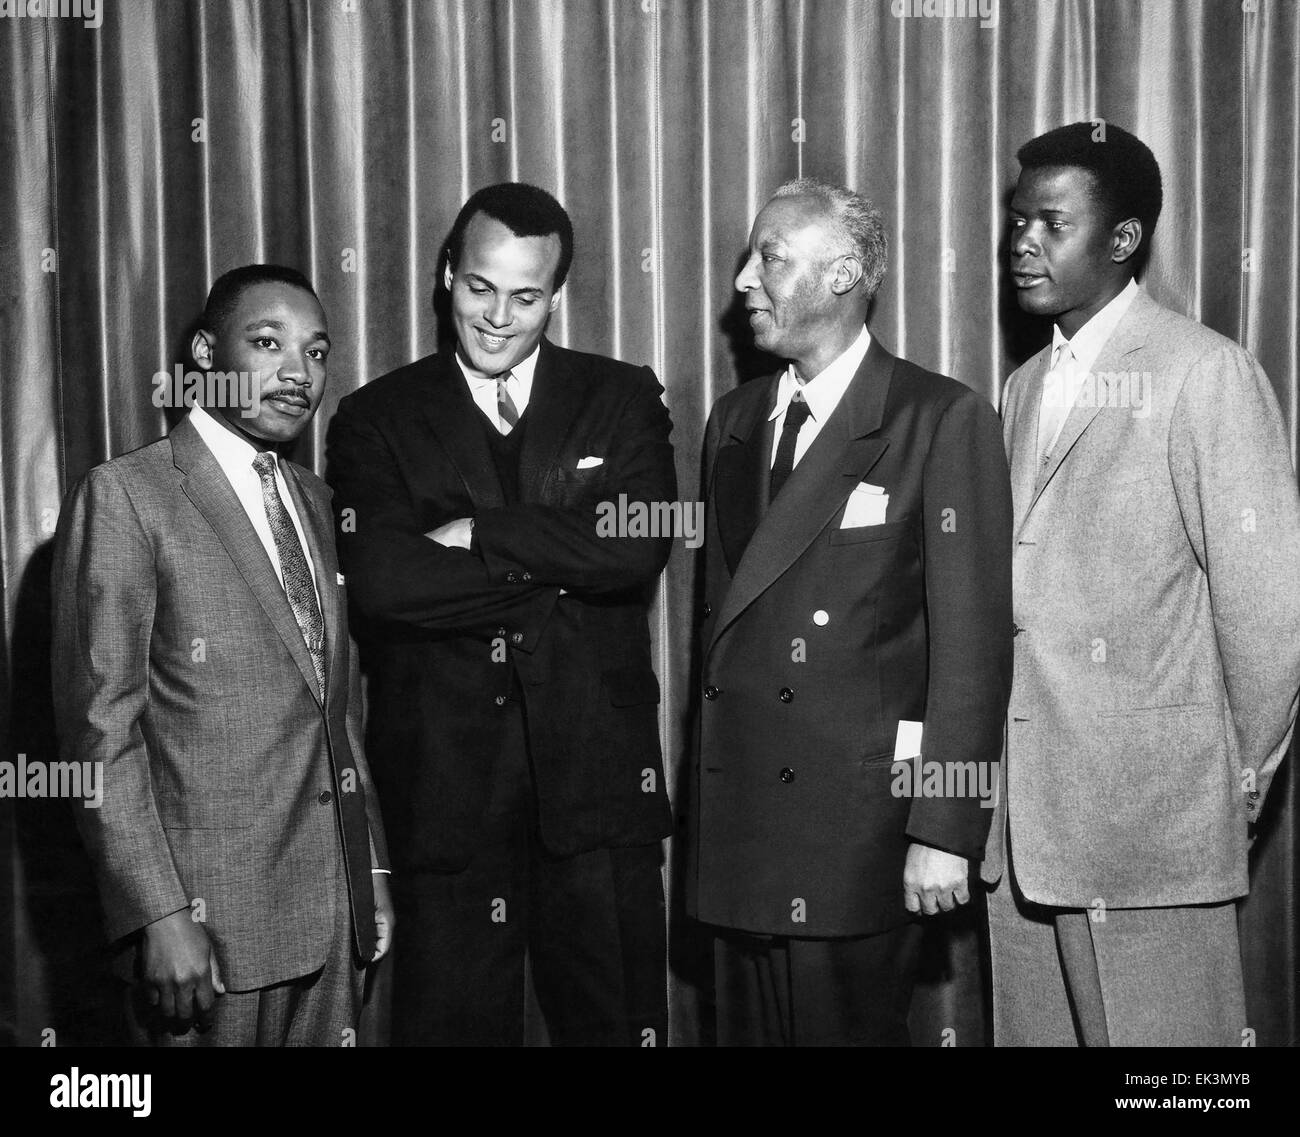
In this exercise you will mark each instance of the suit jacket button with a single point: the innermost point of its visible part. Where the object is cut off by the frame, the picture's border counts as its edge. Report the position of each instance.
(708, 609)
(512, 578)
(501, 632)
(711, 692)
(500, 700)
(525, 577)
(786, 695)
(1254, 795)
(517, 638)
(787, 775)
(1016, 629)
(325, 797)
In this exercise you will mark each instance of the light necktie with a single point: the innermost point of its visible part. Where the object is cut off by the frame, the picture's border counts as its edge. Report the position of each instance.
(796, 414)
(1056, 401)
(506, 409)
(298, 584)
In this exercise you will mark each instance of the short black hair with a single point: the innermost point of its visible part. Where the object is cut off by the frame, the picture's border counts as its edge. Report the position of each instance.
(527, 211)
(229, 287)
(1125, 172)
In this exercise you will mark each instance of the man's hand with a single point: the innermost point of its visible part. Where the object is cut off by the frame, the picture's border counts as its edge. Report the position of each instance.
(455, 534)
(934, 880)
(181, 975)
(385, 920)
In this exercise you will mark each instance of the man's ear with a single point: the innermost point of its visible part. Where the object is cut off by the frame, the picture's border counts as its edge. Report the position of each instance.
(1125, 240)
(446, 275)
(201, 349)
(555, 298)
(846, 271)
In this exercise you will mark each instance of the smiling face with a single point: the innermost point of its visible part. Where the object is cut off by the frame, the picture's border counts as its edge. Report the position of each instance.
(502, 293)
(1067, 261)
(787, 278)
(275, 333)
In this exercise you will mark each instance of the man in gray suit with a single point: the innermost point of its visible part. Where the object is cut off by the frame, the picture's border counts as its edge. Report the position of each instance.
(201, 659)
(1157, 640)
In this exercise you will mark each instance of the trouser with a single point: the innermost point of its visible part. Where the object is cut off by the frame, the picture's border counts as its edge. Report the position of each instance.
(1114, 976)
(591, 926)
(320, 1009)
(783, 991)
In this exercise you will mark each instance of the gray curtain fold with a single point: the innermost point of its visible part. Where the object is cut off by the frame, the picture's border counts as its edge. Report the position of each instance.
(140, 159)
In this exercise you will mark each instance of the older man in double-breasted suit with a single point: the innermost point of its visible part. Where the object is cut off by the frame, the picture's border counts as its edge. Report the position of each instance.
(857, 579)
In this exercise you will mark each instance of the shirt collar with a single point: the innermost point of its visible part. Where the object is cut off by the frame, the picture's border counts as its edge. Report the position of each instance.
(1087, 342)
(824, 391)
(233, 453)
(522, 372)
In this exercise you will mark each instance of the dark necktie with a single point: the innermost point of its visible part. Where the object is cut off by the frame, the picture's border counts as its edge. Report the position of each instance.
(796, 414)
(293, 567)
(505, 404)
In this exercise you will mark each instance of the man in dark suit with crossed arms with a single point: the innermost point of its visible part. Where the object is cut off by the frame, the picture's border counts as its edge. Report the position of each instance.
(857, 558)
(514, 719)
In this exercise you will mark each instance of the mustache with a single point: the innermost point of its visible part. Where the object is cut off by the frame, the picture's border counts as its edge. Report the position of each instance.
(289, 394)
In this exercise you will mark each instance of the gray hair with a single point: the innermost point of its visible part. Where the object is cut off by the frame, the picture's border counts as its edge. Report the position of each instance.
(860, 223)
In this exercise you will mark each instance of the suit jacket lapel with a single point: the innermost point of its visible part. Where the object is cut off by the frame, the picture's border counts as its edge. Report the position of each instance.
(841, 456)
(317, 526)
(553, 405)
(1021, 432)
(1128, 337)
(455, 419)
(742, 470)
(205, 484)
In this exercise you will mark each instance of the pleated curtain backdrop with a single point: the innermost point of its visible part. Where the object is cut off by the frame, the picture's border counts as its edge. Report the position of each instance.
(142, 157)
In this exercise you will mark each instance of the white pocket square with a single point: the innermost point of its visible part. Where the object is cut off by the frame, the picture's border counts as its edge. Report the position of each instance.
(340, 576)
(867, 505)
(590, 463)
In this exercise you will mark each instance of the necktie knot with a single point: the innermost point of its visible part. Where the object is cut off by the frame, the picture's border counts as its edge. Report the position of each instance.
(264, 464)
(798, 412)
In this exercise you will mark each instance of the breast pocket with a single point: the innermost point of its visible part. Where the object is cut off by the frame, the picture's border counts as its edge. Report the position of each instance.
(572, 486)
(861, 534)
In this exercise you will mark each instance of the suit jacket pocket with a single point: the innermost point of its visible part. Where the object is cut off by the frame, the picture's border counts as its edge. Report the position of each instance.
(862, 533)
(631, 686)
(570, 484)
(206, 811)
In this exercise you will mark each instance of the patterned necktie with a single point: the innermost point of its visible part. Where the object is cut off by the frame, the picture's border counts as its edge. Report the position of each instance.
(293, 567)
(796, 414)
(506, 409)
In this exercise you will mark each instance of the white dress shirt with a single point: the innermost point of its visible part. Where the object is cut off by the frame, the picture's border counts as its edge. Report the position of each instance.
(1072, 360)
(483, 388)
(235, 457)
(822, 393)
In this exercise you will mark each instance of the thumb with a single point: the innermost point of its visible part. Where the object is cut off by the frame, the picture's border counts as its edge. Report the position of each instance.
(217, 985)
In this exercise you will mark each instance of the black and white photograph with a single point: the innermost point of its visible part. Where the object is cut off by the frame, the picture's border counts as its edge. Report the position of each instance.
(625, 524)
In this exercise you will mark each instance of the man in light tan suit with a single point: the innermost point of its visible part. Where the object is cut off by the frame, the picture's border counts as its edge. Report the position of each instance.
(1156, 597)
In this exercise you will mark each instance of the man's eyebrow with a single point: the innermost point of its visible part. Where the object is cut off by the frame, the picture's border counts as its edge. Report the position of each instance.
(517, 292)
(278, 325)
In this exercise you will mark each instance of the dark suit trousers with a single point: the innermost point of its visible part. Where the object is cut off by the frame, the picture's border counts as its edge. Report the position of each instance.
(591, 925)
(781, 991)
